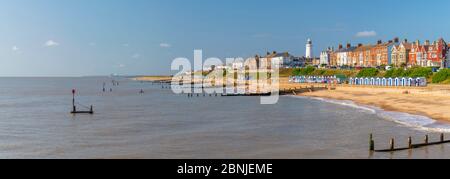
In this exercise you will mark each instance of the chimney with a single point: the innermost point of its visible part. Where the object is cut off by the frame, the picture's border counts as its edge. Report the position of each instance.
(274, 52)
(340, 46)
(349, 45)
(360, 45)
(268, 53)
(396, 40)
(427, 42)
(390, 41)
(418, 42)
(379, 42)
(406, 40)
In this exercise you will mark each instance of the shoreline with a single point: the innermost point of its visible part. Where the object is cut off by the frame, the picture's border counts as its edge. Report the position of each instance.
(414, 121)
(152, 78)
(431, 101)
(421, 102)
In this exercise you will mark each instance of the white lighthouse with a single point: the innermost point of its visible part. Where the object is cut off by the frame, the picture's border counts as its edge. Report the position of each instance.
(309, 50)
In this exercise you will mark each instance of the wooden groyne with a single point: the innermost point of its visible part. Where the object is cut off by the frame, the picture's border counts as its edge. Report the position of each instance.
(306, 89)
(74, 107)
(393, 148)
(248, 94)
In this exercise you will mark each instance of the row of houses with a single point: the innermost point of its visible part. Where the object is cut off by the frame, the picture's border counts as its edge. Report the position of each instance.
(269, 61)
(393, 53)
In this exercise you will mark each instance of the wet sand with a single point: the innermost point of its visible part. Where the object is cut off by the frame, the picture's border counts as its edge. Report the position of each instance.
(430, 101)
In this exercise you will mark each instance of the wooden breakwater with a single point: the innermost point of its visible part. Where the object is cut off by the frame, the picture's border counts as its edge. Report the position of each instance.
(410, 145)
(305, 89)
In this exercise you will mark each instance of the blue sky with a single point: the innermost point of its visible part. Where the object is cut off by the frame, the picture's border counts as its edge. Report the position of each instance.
(128, 37)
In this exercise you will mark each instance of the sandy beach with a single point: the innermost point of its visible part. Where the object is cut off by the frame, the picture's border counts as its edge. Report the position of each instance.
(431, 101)
(152, 78)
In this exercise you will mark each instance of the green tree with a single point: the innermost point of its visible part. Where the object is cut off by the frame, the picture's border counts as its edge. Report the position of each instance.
(441, 76)
(368, 72)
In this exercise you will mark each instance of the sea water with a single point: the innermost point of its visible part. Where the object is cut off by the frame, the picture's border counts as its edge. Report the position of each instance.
(35, 123)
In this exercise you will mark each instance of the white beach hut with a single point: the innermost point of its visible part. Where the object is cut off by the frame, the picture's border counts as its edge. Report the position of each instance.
(422, 81)
(411, 82)
(384, 82)
(396, 82)
(372, 81)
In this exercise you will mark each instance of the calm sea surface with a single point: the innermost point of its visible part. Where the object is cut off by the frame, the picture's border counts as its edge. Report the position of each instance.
(35, 123)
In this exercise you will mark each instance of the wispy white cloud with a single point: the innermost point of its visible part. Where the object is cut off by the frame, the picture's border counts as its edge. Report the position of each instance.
(366, 34)
(15, 49)
(136, 56)
(165, 45)
(121, 65)
(126, 45)
(51, 43)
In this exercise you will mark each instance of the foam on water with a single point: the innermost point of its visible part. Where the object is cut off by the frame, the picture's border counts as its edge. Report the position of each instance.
(409, 120)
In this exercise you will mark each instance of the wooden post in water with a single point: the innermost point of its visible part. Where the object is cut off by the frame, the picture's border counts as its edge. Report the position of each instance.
(392, 148)
(73, 101)
(371, 143)
(442, 137)
(426, 139)
(410, 142)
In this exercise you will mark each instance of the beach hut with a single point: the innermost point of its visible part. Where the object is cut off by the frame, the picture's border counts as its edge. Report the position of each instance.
(422, 82)
(396, 82)
(372, 81)
(410, 82)
(383, 82)
(351, 82)
(378, 82)
(416, 82)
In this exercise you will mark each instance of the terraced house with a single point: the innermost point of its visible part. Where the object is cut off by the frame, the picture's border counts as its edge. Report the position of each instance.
(429, 54)
(400, 54)
(344, 54)
(361, 55)
(392, 53)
